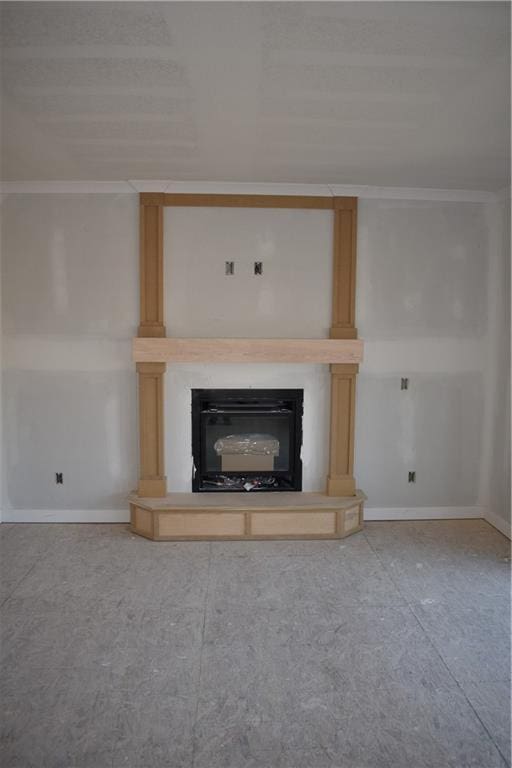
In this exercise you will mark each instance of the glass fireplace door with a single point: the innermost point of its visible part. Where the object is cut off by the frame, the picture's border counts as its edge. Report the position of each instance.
(246, 442)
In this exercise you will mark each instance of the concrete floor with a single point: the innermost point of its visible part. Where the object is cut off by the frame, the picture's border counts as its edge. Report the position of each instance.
(389, 649)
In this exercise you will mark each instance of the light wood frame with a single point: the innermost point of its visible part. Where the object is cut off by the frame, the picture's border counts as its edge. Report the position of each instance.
(152, 481)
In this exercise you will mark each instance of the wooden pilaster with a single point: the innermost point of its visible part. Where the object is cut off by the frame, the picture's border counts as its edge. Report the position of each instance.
(152, 480)
(340, 481)
(344, 269)
(151, 269)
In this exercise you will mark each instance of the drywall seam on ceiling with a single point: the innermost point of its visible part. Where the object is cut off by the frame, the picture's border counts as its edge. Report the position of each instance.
(123, 516)
(131, 187)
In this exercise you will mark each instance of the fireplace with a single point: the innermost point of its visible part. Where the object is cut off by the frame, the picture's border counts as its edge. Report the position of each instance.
(247, 439)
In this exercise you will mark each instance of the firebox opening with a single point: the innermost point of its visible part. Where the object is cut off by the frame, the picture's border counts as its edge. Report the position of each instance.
(247, 439)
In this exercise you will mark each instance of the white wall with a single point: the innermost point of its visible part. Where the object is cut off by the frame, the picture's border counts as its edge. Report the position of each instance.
(314, 379)
(422, 310)
(1, 399)
(69, 309)
(292, 298)
(428, 273)
(497, 472)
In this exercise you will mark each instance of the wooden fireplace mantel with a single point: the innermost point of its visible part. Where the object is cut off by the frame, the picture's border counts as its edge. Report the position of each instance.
(169, 350)
(152, 350)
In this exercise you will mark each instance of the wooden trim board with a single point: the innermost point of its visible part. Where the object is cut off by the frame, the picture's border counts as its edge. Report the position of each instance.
(153, 350)
(152, 481)
(344, 268)
(151, 271)
(202, 200)
(340, 481)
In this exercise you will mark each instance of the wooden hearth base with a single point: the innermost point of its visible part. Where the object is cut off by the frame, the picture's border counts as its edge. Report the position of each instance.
(280, 515)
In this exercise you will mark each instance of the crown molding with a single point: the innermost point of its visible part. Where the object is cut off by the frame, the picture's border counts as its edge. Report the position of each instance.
(148, 186)
(414, 193)
(227, 187)
(245, 188)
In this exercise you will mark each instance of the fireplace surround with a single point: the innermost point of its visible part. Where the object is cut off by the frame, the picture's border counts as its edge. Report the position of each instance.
(247, 439)
(334, 512)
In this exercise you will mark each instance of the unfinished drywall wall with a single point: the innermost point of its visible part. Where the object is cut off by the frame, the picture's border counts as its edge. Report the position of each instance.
(292, 296)
(69, 307)
(180, 379)
(496, 475)
(422, 308)
(1, 398)
(428, 277)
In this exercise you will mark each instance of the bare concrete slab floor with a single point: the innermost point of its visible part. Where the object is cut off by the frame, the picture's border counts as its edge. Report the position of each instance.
(389, 649)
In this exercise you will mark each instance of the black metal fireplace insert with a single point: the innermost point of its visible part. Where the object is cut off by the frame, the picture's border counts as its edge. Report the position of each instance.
(247, 439)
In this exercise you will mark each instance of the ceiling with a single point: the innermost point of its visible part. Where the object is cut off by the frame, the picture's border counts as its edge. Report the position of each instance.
(389, 94)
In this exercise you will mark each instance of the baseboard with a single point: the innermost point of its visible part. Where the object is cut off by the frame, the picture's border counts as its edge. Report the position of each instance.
(422, 513)
(66, 516)
(499, 523)
(370, 513)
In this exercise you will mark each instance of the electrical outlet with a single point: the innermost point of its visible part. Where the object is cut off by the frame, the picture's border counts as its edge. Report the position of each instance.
(412, 477)
(58, 478)
(230, 267)
(258, 267)
(404, 384)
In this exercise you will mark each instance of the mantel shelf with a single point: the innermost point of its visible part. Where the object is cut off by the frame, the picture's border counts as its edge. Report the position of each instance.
(169, 350)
